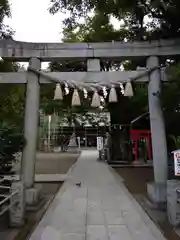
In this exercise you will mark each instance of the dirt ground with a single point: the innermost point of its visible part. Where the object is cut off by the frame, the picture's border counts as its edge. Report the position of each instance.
(49, 163)
(136, 180)
(46, 163)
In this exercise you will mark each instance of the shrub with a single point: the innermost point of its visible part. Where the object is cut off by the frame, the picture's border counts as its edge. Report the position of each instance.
(11, 142)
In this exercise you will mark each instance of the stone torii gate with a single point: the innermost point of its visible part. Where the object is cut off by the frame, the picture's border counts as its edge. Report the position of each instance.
(35, 53)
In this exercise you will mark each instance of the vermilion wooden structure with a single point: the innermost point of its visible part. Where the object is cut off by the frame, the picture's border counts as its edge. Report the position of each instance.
(136, 135)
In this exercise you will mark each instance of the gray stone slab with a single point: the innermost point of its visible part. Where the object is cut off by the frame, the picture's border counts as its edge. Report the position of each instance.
(96, 232)
(114, 217)
(69, 221)
(119, 233)
(73, 236)
(52, 233)
(94, 203)
(95, 216)
(137, 227)
(110, 204)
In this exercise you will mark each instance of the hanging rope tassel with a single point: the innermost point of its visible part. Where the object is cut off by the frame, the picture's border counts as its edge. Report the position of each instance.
(58, 95)
(96, 102)
(128, 91)
(113, 95)
(75, 98)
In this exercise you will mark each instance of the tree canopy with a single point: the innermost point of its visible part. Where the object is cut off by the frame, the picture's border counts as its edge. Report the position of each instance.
(155, 18)
(11, 95)
(5, 31)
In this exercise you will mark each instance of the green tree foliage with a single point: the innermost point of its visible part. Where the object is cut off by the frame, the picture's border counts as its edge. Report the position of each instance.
(12, 98)
(11, 95)
(11, 103)
(163, 15)
(5, 31)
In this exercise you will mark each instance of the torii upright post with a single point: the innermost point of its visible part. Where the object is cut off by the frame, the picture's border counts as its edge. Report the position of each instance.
(30, 132)
(157, 190)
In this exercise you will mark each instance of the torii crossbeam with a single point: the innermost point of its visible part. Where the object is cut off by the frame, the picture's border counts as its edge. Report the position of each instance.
(23, 51)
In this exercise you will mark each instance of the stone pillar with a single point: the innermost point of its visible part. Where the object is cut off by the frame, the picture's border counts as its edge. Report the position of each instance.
(93, 65)
(157, 190)
(17, 211)
(173, 204)
(31, 125)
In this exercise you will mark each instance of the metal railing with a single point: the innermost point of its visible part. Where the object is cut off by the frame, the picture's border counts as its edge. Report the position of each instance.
(6, 199)
(4, 204)
(13, 201)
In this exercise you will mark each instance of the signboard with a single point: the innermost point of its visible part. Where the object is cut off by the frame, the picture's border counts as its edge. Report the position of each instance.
(177, 163)
(99, 143)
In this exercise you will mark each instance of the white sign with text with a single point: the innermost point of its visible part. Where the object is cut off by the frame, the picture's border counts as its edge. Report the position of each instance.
(177, 163)
(99, 143)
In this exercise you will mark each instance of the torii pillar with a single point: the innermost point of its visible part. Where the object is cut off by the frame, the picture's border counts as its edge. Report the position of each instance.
(157, 190)
(30, 132)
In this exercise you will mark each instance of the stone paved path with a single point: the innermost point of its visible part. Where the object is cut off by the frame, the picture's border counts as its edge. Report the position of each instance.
(100, 209)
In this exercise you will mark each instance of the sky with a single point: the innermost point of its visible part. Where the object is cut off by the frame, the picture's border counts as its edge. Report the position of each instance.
(32, 22)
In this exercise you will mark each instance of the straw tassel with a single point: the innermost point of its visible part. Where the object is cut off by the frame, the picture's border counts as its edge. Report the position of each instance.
(113, 95)
(128, 91)
(75, 98)
(58, 95)
(96, 102)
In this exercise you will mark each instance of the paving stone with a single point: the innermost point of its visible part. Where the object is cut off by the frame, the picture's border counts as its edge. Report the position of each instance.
(113, 217)
(96, 232)
(94, 204)
(51, 233)
(110, 204)
(69, 221)
(119, 233)
(137, 227)
(95, 216)
(72, 236)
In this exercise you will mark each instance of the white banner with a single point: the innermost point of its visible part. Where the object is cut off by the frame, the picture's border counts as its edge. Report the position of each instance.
(99, 143)
(177, 163)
